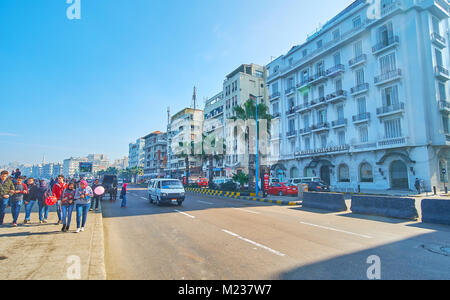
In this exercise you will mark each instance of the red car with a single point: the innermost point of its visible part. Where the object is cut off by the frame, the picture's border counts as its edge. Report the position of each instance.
(202, 182)
(283, 189)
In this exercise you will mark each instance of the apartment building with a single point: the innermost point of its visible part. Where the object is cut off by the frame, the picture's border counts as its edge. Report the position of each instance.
(184, 127)
(136, 154)
(71, 166)
(238, 87)
(155, 155)
(214, 129)
(364, 101)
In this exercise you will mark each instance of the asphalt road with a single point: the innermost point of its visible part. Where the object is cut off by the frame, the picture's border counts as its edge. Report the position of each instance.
(226, 239)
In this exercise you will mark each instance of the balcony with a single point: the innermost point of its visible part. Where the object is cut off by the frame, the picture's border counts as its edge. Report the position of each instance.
(337, 97)
(320, 127)
(438, 40)
(291, 133)
(305, 131)
(303, 84)
(339, 123)
(322, 101)
(390, 110)
(274, 96)
(385, 45)
(361, 118)
(393, 142)
(303, 107)
(336, 70)
(441, 73)
(289, 91)
(357, 61)
(359, 89)
(319, 77)
(388, 77)
(276, 115)
(291, 111)
(439, 8)
(444, 106)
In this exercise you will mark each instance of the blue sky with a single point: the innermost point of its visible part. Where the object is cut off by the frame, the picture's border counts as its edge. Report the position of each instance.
(75, 87)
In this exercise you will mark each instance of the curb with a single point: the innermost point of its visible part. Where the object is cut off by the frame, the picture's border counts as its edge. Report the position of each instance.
(237, 195)
(97, 268)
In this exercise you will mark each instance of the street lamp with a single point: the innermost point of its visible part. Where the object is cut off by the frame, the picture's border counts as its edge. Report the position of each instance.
(257, 145)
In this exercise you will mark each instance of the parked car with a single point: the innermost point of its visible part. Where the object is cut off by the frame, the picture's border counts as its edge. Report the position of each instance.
(318, 187)
(283, 189)
(202, 182)
(304, 180)
(167, 191)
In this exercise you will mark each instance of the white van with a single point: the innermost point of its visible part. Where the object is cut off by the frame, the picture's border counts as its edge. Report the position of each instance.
(167, 191)
(304, 180)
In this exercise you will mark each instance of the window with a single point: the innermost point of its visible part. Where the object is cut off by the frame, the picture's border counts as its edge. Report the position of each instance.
(305, 52)
(293, 146)
(388, 63)
(337, 58)
(305, 97)
(357, 22)
(306, 121)
(436, 25)
(340, 112)
(323, 141)
(320, 68)
(385, 34)
(336, 35)
(363, 134)
(291, 125)
(291, 103)
(361, 105)
(343, 173)
(359, 77)
(291, 61)
(439, 61)
(321, 116)
(338, 85)
(305, 75)
(390, 96)
(341, 138)
(275, 88)
(357, 49)
(290, 83)
(442, 91)
(365, 173)
(275, 108)
(321, 90)
(392, 128)
(307, 143)
(319, 44)
(445, 124)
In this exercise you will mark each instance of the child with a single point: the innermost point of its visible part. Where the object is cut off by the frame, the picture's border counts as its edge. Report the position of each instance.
(83, 197)
(17, 199)
(43, 194)
(30, 199)
(67, 205)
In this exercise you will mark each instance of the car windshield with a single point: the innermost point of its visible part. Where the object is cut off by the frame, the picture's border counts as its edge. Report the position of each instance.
(171, 184)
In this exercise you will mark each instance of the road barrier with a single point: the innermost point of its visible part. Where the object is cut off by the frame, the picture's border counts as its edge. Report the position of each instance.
(237, 195)
(394, 207)
(326, 201)
(436, 211)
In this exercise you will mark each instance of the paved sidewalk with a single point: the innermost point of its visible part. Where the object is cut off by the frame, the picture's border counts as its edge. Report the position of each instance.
(43, 252)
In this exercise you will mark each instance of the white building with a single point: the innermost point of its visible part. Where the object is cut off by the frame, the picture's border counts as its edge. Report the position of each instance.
(136, 155)
(364, 101)
(155, 154)
(71, 166)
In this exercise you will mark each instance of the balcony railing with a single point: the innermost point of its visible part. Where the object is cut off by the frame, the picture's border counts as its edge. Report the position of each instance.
(305, 130)
(361, 117)
(303, 106)
(322, 75)
(276, 115)
(320, 127)
(392, 142)
(338, 95)
(289, 90)
(291, 111)
(391, 109)
(441, 72)
(359, 88)
(274, 95)
(444, 105)
(335, 70)
(303, 82)
(319, 102)
(393, 40)
(338, 123)
(357, 60)
(439, 39)
(291, 133)
(388, 76)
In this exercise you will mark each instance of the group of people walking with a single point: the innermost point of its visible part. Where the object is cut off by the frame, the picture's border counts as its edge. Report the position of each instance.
(71, 195)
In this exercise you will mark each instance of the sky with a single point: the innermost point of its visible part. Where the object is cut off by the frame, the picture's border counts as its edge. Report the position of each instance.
(93, 85)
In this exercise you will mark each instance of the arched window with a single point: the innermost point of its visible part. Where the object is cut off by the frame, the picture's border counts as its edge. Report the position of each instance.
(365, 173)
(343, 173)
(294, 172)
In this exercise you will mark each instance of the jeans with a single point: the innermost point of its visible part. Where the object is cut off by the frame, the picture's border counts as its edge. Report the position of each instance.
(66, 211)
(3, 204)
(96, 201)
(58, 209)
(124, 201)
(28, 208)
(15, 209)
(82, 211)
(43, 211)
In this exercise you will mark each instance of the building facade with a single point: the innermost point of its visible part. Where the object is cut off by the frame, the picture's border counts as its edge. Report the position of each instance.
(364, 101)
(155, 155)
(136, 155)
(71, 166)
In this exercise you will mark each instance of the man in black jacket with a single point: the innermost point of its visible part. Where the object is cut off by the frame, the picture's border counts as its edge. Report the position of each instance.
(30, 199)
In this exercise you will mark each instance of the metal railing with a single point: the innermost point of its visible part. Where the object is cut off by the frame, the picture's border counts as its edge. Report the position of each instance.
(384, 44)
(390, 108)
(388, 75)
(357, 59)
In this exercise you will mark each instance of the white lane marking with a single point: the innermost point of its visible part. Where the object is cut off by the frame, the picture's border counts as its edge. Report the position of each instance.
(144, 198)
(205, 202)
(246, 210)
(254, 243)
(338, 230)
(183, 213)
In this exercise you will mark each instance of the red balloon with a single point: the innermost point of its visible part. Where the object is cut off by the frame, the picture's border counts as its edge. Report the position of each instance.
(51, 200)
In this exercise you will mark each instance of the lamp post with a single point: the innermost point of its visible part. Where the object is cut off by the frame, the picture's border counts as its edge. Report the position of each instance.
(257, 146)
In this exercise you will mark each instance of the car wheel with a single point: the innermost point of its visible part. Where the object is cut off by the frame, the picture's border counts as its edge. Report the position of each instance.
(150, 198)
(158, 202)
(180, 203)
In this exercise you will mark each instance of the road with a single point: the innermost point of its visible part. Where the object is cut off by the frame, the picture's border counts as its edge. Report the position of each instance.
(225, 239)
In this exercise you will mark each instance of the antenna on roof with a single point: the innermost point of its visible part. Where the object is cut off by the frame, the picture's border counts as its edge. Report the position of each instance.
(194, 99)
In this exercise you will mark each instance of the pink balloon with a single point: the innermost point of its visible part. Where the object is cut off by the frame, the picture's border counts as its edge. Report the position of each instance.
(99, 190)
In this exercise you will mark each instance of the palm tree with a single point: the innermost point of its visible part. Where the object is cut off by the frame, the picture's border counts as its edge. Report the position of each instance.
(246, 113)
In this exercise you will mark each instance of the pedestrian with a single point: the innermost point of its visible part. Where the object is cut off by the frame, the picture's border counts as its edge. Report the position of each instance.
(30, 199)
(96, 197)
(123, 196)
(417, 186)
(43, 193)
(57, 191)
(83, 198)
(6, 192)
(17, 199)
(67, 205)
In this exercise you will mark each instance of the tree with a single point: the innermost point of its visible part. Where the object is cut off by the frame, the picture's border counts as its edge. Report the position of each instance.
(246, 113)
(241, 178)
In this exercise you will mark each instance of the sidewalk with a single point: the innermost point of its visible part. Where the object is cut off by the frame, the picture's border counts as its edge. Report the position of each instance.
(43, 252)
